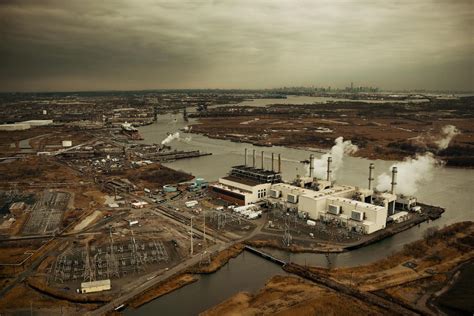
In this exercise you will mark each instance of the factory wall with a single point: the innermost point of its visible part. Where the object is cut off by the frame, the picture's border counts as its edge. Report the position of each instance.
(375, 217)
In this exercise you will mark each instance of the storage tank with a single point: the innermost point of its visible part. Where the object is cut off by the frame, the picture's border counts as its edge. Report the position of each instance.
(169, 188)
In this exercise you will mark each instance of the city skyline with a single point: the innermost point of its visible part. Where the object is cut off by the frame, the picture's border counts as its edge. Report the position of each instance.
(145, 45)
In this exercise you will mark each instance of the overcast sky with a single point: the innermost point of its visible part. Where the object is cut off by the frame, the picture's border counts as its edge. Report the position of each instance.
(60, 45)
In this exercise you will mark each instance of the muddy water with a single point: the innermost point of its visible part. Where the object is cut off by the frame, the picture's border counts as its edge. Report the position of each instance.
(247, 272)
(449, 188)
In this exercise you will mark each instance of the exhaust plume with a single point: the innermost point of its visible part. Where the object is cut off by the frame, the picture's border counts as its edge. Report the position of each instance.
(337, 152)
(412, 172)
(448, 132)
(170, 138)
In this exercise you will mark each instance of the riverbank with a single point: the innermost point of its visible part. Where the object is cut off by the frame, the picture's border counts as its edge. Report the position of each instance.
(162, 288)
(396, 284)
(317, 245)
(187, 276)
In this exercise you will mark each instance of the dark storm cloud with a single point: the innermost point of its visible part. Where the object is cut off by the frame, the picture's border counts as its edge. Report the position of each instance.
(74, 45)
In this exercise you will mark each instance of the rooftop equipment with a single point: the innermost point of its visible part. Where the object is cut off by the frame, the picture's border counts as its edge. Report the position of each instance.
(357, 215)
(334, 209)
(292, 198)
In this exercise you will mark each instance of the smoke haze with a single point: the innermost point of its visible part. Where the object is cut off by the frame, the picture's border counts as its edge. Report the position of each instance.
(337, 153)
(412, 172)
(448, 132)
(170, 138)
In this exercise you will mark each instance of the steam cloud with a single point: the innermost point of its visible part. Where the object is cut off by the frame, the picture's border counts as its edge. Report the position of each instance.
(412, 172)
(170, 138)
(448, 132)
(337, 152)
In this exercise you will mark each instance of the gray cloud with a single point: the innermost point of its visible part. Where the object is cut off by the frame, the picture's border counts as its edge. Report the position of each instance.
(77, 45)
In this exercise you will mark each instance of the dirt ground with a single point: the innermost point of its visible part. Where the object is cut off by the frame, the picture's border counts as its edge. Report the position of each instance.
(37, 169)
(21, 297)
(153, 176)
(432, 260)
(290, 295)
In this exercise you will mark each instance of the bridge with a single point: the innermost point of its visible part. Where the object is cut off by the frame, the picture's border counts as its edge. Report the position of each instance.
(265, 255)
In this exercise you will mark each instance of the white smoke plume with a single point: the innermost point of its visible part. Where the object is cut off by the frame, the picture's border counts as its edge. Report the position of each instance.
(448, 132)
(412, 172)
(337, 153)
(170, 138)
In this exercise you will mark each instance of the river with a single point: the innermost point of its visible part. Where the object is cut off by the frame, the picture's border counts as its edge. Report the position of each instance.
(449, 188)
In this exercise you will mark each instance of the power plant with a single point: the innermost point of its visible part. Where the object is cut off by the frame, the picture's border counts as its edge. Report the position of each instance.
(362, 210)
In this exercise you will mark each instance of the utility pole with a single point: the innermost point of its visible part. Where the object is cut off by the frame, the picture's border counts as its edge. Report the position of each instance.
(204, 230)
(192, 235)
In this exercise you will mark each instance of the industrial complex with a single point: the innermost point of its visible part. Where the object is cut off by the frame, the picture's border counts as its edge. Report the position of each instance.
(93, 215)
(360, 210)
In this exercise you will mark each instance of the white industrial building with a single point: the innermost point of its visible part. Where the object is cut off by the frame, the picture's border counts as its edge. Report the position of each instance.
(358, 209)
(24, 125)
(14, 127)
(95, 286)
(356, 215)
(246, 185)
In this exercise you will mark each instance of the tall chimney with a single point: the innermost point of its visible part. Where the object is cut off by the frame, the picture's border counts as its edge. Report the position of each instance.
(371, 170)
(253, 160)
(273, 158)
(279, 163)
(245, 159)
(394, 179)
(311, 167)
(329, 169)
(262, 159)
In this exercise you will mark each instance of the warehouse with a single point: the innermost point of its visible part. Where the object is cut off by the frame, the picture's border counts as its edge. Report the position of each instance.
(95, 286)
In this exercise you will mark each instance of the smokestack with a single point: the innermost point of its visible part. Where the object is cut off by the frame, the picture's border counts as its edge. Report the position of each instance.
(279, 163)
(371, 170)
(394, 179)
(311, 167)
(245, 159)
(273, 158)
(329, 169)
(253, 160)
(262, 159)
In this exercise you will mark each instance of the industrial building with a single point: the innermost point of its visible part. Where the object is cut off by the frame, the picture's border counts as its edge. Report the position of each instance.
(95, 286)
(19, 126)
(359, 209)
(245, 185)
